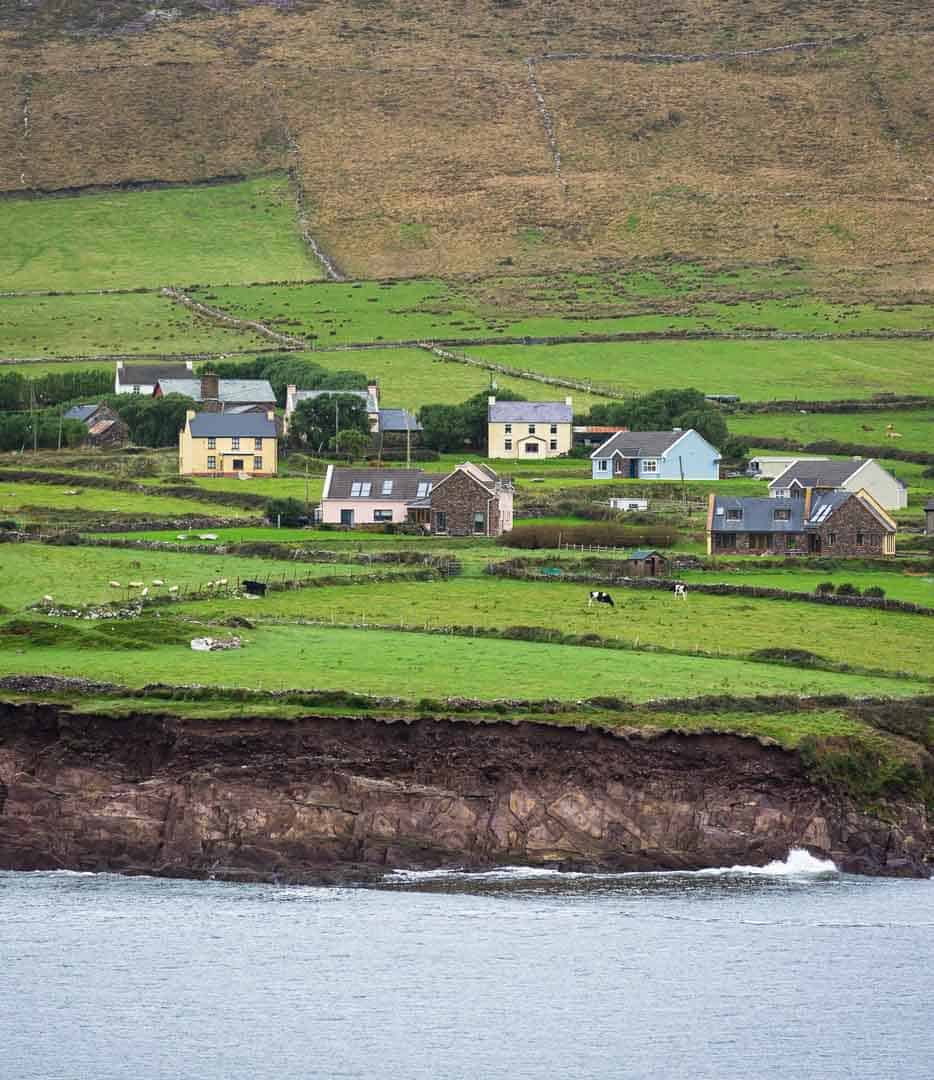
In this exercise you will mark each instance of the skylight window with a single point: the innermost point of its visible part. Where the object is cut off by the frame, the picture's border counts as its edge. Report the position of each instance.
(360, 489)
(424, 488)
(387, 487)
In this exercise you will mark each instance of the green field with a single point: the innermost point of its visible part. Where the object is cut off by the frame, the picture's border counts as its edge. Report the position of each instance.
(41, 502)
(756, 370)
(866, 428)
(38, 326)
(915, 588)
(422, 665)
(116, 240)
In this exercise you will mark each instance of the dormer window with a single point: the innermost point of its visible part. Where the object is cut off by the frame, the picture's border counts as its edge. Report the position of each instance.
(781, 514)
(734, 513)
(424, 489)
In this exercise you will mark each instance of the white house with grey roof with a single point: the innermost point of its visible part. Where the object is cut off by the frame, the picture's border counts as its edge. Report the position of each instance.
(529, 430)
(827, 474)
(656, 455)
(142, 378)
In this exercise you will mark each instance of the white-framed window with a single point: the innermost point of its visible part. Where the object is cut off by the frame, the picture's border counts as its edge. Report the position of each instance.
(424, 489)
(507, 428)
(602, 464)
(531, 429)
(212, 461)
(235, 443)
(257, 444)
(553, 444)
(212, 444)
(258, 464)
(734, 513)
(781, 514)
(479, 522)
(135, 389)
(780, 493)
(554, 429)
(507, 444)
(387, 489)
(360, 489)
(382, 515)
(650, 465)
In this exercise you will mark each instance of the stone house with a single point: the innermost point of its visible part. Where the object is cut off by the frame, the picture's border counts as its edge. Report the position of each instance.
(838, 524)
(471, 501)
(929, 518)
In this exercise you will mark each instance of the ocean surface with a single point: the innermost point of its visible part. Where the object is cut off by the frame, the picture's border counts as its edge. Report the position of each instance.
(791, 972)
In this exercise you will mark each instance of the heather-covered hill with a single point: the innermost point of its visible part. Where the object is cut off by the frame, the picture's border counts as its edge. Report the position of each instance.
(451, 137)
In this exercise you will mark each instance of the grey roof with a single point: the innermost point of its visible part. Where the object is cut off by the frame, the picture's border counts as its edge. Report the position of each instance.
(929, 505)
(81, 412)
(759, 513)
(404, 482)
(247, 425)
(309, 395)
(645, 553)
(239, 391)
(638, 443)
(818, 472)
(530, 412)
(397, 420)
(150, 374)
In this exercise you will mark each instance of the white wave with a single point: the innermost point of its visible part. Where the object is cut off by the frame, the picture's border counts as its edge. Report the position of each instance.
(799, 863)
(502, 873)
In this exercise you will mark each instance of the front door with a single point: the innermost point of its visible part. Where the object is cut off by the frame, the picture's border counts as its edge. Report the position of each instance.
(346, 517)
(634, 468)
(814, 543)
(238, 464)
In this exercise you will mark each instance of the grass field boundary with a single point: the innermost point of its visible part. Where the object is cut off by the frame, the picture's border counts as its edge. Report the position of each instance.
(831, 446)
(222, 318)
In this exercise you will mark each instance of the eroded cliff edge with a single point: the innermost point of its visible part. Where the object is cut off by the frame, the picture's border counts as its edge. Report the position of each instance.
(338, 796)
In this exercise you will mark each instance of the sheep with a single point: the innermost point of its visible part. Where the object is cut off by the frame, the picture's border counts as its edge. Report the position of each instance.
(158, 581)
(221, 581)
(135, 584)
(48, 599)
(173, 588)
(145, 592)
(115, 585)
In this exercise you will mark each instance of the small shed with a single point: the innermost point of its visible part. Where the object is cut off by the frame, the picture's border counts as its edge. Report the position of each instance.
(929, 518)
(646, 563)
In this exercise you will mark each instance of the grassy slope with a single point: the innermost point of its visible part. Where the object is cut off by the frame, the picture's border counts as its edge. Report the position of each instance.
(916, 588)
(31, 501)
(416, 665)
(230, 232)
(916, 427)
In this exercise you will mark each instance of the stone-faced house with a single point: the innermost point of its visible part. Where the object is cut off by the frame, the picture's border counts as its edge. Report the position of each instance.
(214, 394)
(827, 474)
(228, 444)
(529, 430)
(142, 378)
(656, 455)
(105, 428)
(471, 500)
(929, 518)
(839, 524)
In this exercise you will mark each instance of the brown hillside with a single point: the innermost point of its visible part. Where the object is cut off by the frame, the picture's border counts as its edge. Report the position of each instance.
(427, 143)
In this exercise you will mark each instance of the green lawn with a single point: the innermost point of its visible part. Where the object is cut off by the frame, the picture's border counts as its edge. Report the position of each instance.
(756, 370)
(731, 625)
(916, 588)
(49, 326)
(915, 427)
(422, 665)
(41, 501)
(243, 231)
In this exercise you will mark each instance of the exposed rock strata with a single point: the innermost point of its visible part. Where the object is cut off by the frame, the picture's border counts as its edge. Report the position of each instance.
(336, 796)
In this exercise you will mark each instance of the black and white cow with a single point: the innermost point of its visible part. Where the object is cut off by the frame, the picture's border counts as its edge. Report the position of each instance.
(599, 597)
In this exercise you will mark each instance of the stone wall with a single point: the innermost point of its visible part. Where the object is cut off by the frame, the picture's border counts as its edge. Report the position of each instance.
(460, 497)
(846, 525)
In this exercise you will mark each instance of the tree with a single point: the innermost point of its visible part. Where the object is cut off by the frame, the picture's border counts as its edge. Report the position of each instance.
(317, 420)
(451, 427)
(287, 511)
(351, 442)
(662, 410)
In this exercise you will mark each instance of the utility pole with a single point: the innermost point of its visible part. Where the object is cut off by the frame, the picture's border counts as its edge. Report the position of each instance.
(32, 417)
(61, 421)
(408, 443)
(306, 487)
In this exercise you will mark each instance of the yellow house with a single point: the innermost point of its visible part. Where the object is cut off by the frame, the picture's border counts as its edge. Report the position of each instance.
(528, 430)
(228, 444)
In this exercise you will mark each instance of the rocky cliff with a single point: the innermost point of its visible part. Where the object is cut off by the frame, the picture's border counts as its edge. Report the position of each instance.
(328, 797)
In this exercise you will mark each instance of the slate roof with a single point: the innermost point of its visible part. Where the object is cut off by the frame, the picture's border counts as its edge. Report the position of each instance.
(639, 443)
(150, 374)
(817, 472)
(234, 391)
(368, 399)
(404, 483)
(397, 420)
(758, 514)
(246, 425)
(530, 412)
(645, 553)
(81, 412)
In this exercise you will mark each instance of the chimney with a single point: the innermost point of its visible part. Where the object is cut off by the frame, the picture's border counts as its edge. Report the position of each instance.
(372, 388)
(190, 364)
(189, 416)
(491, 400)
(271, 416)
(210, 392)
(569, 401)
(676, 429)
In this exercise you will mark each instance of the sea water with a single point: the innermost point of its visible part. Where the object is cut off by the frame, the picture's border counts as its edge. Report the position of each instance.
(787, 971)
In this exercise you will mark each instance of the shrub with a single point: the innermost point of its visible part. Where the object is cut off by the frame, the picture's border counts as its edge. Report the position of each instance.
(599, 535)
(287, 511)
(875, 591)
(9, 525)
(825, 588)
(847, 589)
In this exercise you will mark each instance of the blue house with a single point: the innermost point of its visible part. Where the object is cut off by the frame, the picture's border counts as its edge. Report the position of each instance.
(656, 455)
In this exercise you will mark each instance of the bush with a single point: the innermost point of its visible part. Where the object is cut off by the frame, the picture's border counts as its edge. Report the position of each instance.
(846, 589)
(875, 591)
(598, 534)
(825, 588)
(9, 525)
(289, 512)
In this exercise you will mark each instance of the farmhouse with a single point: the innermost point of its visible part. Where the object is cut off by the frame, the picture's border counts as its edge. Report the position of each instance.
(831, 523)
(656, 455)
(529, 429)
(369, 397)
(228, 444)
(142, 378)
(825, 474)
(105, 428)
(469, 500)
(221, 395)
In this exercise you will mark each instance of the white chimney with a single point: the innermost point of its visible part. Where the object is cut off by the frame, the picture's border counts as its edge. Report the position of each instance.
(491, 400)
(569, 401)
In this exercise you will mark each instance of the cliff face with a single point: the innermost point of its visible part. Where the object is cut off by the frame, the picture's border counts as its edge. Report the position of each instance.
(330, 797)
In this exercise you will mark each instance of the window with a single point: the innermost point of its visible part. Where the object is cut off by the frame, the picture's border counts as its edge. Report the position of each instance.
(531, 448)
(859, 539)
(479, 522)
(780, 493)
(781, 514)
(238, 464)
(235, 443)
(602, 464)
(135, 389)
(758, 541)
(650, 465)
(382, 515)
(441, 521)
(424, 489)
(554, 429)
(531, 429)
(258, 464)
(387, 488)
(724, 541)
(507, 444)
(360, 489)
(831, 539)
(553, 444)
(212, 461)
(257, 444)
(734, 513)
(212, 444)
(508, 429)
